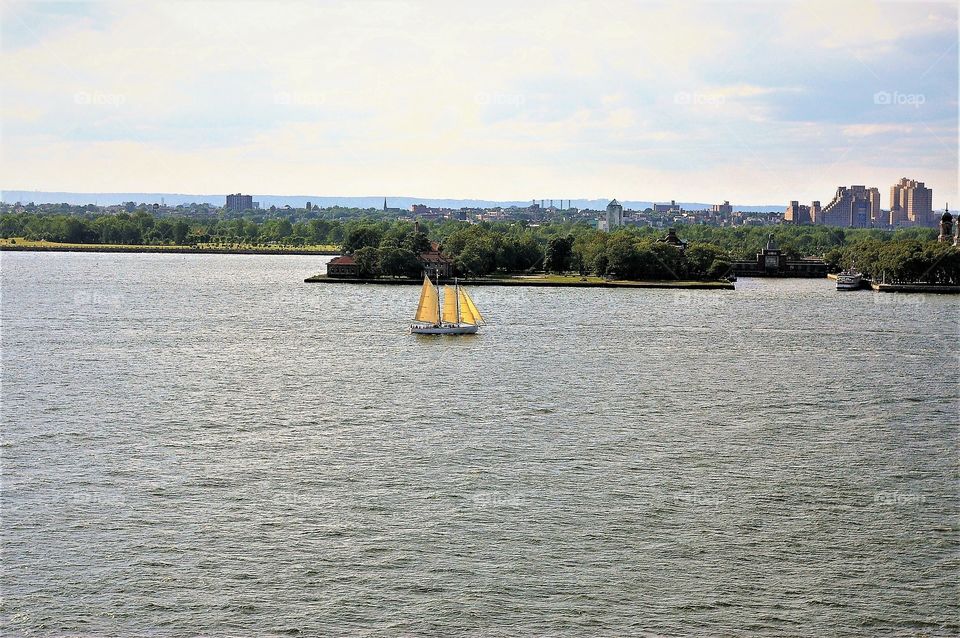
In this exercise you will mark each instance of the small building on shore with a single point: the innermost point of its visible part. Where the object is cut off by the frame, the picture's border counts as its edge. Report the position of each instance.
(435, 263)
(343, 266)
(672, 239)
(773, 262)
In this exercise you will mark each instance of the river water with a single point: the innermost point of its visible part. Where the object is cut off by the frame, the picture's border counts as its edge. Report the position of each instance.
(206, 445)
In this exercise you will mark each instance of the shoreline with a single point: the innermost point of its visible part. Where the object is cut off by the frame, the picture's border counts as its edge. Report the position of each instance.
(532, 282)
(928, 288)
(177, 250)
(933, 289)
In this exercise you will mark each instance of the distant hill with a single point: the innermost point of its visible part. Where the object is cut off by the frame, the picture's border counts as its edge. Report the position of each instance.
(299, 201)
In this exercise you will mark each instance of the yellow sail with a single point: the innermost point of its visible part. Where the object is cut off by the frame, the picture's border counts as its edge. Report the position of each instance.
(468, 310)
(429, 308)
(466, 315)
(450, 305)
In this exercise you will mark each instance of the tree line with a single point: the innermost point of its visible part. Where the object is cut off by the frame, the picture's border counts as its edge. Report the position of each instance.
(142, 228)
(385, 246)
(906, 261)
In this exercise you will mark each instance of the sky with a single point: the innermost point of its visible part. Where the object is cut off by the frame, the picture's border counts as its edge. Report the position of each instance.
(755, 103)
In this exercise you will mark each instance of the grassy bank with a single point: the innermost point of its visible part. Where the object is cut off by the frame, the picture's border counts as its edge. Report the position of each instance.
(555, 281)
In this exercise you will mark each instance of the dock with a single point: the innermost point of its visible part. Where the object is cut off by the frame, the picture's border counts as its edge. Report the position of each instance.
(937, 289)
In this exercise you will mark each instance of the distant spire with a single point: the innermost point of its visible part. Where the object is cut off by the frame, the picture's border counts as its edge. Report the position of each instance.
(384, 204)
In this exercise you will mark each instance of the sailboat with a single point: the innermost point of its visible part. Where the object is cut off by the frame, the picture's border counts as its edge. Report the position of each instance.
(457, 316)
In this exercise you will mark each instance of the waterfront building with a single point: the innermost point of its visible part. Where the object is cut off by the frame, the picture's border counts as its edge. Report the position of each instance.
(771, 261)
(435, 263)
(239, 203)
(672, 239)
(343, 266)
(853, 207)
(911, 202)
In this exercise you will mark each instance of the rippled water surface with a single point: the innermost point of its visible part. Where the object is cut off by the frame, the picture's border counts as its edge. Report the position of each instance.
(205, 445)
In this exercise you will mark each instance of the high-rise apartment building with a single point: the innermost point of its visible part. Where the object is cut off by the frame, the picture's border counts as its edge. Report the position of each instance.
(666, 208)
(854, 207)
(911, 203)
(815, 212)
(239, 203)
(798, 213)
(722, 209)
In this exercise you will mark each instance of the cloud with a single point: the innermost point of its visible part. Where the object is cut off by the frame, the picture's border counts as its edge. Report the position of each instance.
(707, 101)
(868, 130)
(864, 27)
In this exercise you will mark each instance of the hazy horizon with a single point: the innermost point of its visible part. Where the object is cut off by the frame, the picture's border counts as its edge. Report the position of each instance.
(10, 196)
(649, 102)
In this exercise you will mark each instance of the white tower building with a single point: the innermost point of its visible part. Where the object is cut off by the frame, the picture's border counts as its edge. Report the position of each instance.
(614, 215)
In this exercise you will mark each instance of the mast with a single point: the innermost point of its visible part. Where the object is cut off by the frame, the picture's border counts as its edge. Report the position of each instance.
(456, 292)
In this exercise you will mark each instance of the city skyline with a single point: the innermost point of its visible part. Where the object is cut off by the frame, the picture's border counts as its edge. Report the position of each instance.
(903, 209)
(638, 102)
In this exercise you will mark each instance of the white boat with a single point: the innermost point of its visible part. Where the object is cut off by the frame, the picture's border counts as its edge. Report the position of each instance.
(849, 279)
(456, 315)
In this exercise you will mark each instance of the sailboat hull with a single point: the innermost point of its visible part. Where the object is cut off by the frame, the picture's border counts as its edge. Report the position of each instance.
(443, 330)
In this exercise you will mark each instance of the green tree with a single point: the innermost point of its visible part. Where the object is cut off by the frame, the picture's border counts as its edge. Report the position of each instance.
(559, 254)
(73, 230)
(399, 262)
(622, 256)
(368, 261)
(667, 262)
(364, 236)
(478, 258)
(718, 269)
(518, 253)
(704, 260)
(179, 232)
(417, 243)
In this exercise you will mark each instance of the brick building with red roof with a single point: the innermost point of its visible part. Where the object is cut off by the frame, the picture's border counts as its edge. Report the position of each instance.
(343, 266)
